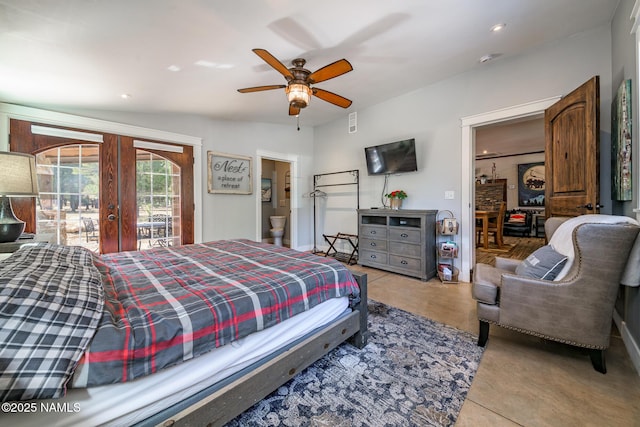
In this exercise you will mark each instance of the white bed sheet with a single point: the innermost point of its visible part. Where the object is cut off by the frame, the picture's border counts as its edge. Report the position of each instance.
(131, 402)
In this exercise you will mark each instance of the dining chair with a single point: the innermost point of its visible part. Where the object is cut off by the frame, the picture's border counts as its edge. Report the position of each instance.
(89, 229)
(495, 227)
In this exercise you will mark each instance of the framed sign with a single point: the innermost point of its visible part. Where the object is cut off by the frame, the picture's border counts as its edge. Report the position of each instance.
(228, 173)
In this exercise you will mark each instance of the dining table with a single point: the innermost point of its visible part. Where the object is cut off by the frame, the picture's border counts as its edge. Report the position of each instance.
(485, 216)
(148, 229)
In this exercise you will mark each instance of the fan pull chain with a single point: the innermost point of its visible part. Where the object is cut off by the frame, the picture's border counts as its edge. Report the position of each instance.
(298, 119)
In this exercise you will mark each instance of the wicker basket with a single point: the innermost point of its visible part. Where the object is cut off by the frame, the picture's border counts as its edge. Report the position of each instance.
(448, 253)
(454, 276)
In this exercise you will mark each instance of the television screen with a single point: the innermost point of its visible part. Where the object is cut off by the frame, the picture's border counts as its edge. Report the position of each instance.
(395, 157)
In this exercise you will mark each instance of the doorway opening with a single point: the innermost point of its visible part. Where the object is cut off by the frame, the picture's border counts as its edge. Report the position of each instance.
(469, 126)
(276, 214)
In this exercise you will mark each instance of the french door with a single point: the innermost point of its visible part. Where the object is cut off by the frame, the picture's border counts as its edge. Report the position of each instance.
(106, 192)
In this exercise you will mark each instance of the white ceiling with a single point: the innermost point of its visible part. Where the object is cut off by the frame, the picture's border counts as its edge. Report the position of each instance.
(520, 136)
(83, 54)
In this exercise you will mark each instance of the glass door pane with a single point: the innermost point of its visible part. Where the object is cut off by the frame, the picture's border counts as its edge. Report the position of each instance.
(158, 201)
(68, 178)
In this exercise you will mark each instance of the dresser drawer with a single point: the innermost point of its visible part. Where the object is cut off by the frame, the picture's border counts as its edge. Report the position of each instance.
(373, 232)
(405, 249)
(408, 263)
(373, 244)
(405, 235)
(368, 257)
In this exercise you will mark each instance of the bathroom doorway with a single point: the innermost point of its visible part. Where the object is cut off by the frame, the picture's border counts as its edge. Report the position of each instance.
(275, 199)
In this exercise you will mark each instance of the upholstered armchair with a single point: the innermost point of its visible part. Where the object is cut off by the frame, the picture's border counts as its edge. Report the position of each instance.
(588, 254)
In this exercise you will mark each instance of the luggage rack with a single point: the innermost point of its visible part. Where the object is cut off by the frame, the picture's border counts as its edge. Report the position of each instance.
(349, 258)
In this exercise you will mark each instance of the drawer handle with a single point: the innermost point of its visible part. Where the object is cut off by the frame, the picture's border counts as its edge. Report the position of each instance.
(372, 232)
(373, 243)
(404, 235)
(404, 262)
(373, 256)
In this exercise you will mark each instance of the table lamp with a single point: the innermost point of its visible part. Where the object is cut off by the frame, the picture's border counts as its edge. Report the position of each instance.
(18, 178)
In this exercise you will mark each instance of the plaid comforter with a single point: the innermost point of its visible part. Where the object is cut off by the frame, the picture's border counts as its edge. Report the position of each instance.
(168, 305)
(50, 303)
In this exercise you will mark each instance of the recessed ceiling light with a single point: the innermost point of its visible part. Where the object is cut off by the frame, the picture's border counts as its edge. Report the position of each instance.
(498, 27)
(487, 58)
(125, 96)
(209, 64)
(173, 68)
(204, 63)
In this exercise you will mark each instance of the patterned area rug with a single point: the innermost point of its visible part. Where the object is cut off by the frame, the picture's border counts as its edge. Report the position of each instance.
(515, 248)
(413, 372)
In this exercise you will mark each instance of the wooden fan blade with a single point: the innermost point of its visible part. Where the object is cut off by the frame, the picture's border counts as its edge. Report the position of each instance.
(273, 61)
(330, 71)
(331, 97)
(293, 111)
(259, 88)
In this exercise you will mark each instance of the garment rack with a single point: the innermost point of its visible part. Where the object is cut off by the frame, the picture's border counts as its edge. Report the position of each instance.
(355, 180)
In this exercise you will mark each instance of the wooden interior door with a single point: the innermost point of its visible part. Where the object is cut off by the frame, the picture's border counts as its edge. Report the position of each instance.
(572, 144)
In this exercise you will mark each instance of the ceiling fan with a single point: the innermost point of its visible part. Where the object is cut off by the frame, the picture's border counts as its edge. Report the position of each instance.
(299, 81)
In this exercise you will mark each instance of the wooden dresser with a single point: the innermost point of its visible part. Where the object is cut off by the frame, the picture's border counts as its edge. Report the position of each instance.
(402, 241)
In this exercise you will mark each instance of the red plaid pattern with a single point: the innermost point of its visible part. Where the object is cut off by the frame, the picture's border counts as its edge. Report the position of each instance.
(168, 305)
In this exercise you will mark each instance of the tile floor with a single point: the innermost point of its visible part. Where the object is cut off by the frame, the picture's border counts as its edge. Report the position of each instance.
(522, 380)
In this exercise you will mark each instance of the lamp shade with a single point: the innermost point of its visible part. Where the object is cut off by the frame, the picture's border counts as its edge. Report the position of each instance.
(18, 176)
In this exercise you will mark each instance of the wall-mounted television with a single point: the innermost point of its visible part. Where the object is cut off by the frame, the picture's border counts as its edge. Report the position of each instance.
(394, 157)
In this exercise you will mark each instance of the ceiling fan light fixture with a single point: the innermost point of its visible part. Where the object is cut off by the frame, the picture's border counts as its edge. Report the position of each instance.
(298, 94)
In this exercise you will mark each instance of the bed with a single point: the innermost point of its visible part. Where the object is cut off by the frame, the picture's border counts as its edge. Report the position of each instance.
(146, 338)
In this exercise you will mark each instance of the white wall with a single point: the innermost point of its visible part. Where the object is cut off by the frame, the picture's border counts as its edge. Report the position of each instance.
(432, 116)
(623, 64)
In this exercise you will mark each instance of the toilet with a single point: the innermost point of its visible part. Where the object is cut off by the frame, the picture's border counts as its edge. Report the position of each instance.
(277, 228)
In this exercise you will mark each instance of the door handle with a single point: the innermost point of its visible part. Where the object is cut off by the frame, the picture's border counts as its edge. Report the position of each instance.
(111, 217)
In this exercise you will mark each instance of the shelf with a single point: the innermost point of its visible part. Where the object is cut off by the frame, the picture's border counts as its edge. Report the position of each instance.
(447, 248)
(373, 220)
(395, 221)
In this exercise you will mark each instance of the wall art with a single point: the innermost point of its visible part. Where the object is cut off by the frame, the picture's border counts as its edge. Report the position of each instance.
(531, 184)
(621, 177)
(228, 173)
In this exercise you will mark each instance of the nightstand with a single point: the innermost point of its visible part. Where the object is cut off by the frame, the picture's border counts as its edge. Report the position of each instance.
(8, 248)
